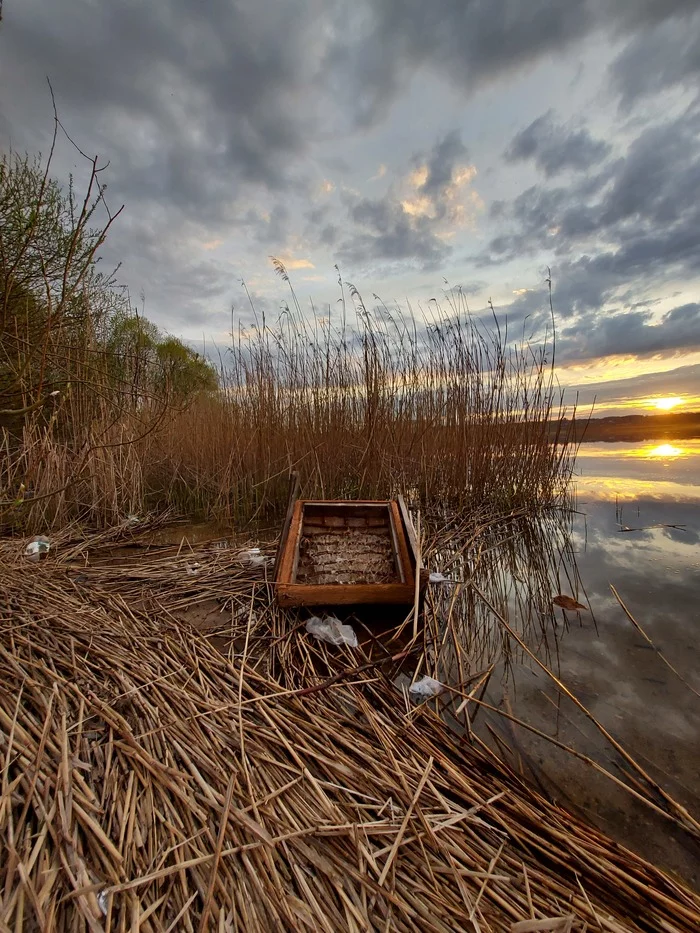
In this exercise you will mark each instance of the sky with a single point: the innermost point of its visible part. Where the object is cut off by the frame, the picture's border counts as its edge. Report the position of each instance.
(418, 147)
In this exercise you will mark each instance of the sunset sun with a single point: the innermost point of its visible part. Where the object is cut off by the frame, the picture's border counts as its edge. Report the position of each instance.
(666, 404)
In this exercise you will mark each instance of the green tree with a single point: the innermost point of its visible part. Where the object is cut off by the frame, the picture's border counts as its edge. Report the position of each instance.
(47, 273)
(183, 371)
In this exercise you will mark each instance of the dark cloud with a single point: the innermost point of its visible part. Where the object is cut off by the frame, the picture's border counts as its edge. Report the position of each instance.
(192, 297)
(659, 58)
(468, 41)
(268, 228)
(633, 221)
(405, 224)
(441, 164)
(554, 148)
(188, 107)
(220, 126)
(384, 231)
(631, 333)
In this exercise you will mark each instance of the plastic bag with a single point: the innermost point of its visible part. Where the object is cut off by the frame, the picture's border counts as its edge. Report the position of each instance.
(426, 687)
(437, 578)
(332, 631)
(37, 548)
(102, 899)
(255, 558)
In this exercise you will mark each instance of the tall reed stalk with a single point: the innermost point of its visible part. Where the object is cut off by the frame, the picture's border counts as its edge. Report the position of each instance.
(442, 406)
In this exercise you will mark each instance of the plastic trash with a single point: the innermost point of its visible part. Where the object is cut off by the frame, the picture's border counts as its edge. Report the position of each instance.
(102, 901)
(332, 631)
(37, 548)
(437, 578)
(133, 519)
(426, 687)
(255, 558)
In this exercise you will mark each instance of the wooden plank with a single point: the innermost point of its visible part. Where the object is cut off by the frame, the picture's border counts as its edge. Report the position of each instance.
(284, 571)
(293, 496)
(333, 594)
(346, 503)
(399, 562)
(297, 546)
(410, 529)
(409, 572)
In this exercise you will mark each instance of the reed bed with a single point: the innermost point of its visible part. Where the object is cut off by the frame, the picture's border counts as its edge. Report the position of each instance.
(150, 781)
(446, 405)
(435, 401)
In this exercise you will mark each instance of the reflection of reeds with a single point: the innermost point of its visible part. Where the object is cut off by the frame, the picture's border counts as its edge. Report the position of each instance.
(521, 560)
(150, 782)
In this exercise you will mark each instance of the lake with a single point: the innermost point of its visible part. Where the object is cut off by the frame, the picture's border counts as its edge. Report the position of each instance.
(637, 527)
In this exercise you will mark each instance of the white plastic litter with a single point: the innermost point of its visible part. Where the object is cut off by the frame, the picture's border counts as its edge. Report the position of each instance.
(437, 578)
(37, 548)
(102, 901)
(255, 558)
(332, 631)
(426, 687)
(133, 519)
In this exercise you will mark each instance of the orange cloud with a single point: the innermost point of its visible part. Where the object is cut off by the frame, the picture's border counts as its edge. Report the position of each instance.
(291, 263)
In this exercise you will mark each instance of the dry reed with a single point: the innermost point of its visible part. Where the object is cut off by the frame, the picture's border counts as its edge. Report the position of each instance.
(149, 782)
(438, 404)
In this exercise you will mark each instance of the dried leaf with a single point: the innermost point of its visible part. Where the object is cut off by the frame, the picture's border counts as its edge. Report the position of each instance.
(566, 602)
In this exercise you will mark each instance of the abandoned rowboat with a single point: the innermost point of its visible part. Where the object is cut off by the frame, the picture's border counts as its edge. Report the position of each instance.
(339, 552)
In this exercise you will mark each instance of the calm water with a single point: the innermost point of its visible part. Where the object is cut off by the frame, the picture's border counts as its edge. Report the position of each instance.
(639, 530)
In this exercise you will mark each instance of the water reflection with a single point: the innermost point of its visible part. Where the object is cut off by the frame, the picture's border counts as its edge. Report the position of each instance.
(663, 450)
(513, 569)
(660, 471)
(639, 529)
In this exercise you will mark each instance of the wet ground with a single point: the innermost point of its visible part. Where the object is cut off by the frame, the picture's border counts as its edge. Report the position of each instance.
(639, 530)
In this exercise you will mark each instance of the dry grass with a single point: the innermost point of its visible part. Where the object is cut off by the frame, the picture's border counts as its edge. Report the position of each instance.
(449, 409)
(148, 781)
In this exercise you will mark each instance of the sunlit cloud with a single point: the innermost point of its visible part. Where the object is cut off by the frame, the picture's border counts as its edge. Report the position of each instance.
(212, 244)
(290, 263)
(419, 207)
(456, 203)
(418, 177)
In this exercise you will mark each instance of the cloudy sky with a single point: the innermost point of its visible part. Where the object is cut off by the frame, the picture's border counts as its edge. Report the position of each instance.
(413, 144)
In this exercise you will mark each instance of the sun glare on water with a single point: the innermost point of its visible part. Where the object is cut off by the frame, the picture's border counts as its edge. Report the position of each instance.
(665, 450)
(666, 404)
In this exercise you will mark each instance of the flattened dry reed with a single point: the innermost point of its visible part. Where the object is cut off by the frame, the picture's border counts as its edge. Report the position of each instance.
(148, 782)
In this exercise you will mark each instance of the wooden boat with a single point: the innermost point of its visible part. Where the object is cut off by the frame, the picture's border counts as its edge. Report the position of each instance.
(339, 552)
